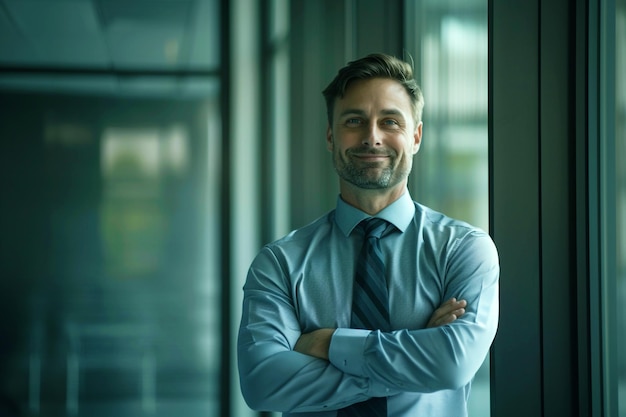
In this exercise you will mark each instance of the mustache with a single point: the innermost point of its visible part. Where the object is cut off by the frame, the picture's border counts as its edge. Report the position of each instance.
(368, 150)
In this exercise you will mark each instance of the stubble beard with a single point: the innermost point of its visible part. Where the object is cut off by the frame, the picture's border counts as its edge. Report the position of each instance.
(369, 176)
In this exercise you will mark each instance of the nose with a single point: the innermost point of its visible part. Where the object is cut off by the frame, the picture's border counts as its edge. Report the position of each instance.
(373, 135)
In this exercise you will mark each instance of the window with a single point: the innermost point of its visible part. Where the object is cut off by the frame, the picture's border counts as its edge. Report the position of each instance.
(614, 211)
(448, 41)
(110, 217)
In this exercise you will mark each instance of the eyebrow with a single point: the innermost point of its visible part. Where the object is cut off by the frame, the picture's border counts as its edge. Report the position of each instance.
(352, 112)
(359, 112)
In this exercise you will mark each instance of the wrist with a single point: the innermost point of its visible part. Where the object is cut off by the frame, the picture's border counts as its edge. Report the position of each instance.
(322, 343)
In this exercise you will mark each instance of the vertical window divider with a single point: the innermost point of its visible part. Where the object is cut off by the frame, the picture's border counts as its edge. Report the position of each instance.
(608, 206)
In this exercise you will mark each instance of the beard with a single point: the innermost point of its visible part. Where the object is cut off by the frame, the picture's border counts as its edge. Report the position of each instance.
(371, 175)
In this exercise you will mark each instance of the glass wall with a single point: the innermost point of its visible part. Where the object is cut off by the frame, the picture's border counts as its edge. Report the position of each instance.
(450, 52)
(613, 204)
(110, 124)
(448, 42)
(109, 205)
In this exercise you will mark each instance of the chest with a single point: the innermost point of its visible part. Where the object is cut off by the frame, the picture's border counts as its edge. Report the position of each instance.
(322, 290)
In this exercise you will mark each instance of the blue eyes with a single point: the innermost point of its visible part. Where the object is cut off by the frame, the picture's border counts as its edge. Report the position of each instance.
(356, 122)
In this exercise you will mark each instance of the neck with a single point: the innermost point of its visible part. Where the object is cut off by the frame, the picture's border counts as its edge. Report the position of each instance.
(370, 201)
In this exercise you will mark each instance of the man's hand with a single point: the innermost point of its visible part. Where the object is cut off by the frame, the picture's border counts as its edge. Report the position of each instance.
(447, 312)
(315, 343)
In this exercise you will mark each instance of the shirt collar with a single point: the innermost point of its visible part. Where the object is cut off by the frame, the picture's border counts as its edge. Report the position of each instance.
(399, 213)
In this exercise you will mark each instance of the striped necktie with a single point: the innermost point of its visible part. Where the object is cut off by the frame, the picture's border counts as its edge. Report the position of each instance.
(370, 305)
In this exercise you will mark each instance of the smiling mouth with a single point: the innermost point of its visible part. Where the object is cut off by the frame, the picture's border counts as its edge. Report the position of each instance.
(371, 157)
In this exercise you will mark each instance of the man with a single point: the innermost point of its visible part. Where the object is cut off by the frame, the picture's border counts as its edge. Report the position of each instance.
(305, 346)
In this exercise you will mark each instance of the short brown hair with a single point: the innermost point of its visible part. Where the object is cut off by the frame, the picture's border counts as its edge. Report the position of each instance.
(374, 66)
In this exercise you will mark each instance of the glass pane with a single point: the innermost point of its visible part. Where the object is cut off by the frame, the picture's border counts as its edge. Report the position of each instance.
(110, 235)
(451, 173)
(620, 183)
(109, 219)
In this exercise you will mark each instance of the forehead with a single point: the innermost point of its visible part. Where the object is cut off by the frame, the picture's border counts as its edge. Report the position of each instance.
(374, 94)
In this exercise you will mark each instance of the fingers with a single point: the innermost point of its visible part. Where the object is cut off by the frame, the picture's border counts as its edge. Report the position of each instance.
(458, 306)
(447, 312)
(452, 307)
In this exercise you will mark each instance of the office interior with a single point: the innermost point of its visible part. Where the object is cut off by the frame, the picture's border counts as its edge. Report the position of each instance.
(149, 148)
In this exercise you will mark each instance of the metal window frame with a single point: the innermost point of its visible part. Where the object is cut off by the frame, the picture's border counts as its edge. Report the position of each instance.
(549, 131)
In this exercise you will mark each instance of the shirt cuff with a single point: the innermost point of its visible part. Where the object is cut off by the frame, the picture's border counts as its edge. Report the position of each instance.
(346, 350)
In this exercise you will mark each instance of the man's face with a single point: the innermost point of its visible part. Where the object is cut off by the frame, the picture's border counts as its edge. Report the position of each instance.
(374, 136)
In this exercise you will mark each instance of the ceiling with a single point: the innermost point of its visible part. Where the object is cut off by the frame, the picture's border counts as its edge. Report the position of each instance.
(87, 44)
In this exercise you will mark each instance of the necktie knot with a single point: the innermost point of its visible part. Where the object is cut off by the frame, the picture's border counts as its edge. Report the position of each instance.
(373, 227)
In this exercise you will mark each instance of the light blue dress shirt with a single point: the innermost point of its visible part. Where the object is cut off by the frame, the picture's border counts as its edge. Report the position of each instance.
(303, 282)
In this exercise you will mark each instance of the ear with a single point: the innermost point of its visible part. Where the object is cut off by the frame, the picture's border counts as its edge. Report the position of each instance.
(417, 137)
(329, 139)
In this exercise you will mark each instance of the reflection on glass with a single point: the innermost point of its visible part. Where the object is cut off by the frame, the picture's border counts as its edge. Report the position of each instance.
(119, 315)
(451, 170)
(135, 164)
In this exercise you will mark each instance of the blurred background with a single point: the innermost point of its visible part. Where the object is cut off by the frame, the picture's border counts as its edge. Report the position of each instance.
(148, 148)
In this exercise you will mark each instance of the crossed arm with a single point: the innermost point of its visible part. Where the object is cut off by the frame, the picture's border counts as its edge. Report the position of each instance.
(300, 378)
(283, 369)
(317, 342)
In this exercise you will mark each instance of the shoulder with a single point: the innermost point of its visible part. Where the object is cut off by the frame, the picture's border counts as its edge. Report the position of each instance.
(320, 226)
(444, 230)
(296, 248)
(302, 238)
(461, 247)
(432, 219)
